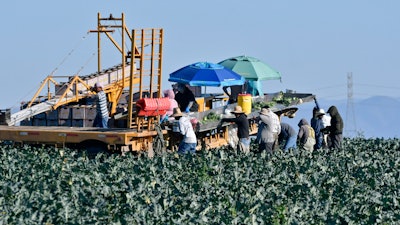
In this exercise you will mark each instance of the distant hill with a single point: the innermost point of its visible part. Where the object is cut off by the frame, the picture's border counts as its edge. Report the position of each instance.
(378, 116)
(374, 117)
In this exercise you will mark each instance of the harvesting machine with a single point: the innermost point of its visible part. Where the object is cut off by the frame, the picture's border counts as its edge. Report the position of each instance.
(61, 112)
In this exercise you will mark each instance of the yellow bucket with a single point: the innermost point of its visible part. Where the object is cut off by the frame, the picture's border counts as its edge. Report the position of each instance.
(244, 100)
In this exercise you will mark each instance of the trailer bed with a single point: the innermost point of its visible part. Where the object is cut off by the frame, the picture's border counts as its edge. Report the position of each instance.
(75, 135)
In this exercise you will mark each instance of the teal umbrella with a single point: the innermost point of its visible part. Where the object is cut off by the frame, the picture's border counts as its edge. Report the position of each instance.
(251, 68)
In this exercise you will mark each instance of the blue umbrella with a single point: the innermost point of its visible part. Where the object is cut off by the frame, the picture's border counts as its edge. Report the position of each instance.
(206, 74)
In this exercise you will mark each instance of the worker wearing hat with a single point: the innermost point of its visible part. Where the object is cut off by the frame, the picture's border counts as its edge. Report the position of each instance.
(326, 122)
(318, 126)
(268, 130)
(242, 123)
(101, 119)
(184, 127)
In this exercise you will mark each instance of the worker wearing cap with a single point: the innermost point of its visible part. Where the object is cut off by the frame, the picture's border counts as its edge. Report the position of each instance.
(101, 119)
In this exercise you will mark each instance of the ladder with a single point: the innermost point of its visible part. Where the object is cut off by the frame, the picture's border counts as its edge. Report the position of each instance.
(148, 61)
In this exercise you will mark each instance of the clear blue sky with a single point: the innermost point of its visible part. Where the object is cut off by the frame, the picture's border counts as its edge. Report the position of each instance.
(313, 44)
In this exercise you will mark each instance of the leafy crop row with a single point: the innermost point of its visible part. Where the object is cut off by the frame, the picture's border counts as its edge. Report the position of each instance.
(356, 185)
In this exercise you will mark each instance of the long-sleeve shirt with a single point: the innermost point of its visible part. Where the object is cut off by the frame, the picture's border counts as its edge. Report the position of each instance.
(186, 129)
(336, 121)
(305, 131)
(317, 125)
(242, 124)
(286, 132)
(269, 128)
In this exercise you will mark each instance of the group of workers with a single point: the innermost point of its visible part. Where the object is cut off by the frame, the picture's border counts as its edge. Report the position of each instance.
(272, 134)
(323, 131)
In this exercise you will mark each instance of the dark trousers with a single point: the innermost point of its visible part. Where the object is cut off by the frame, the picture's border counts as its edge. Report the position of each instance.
(335, 141)
(268, 146)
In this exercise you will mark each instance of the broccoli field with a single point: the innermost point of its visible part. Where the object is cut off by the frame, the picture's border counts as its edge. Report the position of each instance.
(358, 184)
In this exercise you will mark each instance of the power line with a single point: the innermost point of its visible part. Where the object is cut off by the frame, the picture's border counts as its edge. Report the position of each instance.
(378, 86)
(330, 87)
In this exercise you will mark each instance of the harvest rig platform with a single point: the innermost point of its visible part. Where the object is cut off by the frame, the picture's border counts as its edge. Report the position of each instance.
(63, 115)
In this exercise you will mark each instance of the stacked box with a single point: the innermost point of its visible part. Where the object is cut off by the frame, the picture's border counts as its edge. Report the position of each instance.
(77, 123)
(64, 122)
(27, 122)
(52, 115)
(39, 122)
(88, 123)
(52, 122)
(216, 103)
(64, 113)
(90, 113)
(40, 116)
(5, 116)
(78, 113)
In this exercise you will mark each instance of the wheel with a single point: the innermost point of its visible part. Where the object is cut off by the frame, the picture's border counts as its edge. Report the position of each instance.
(94, 148)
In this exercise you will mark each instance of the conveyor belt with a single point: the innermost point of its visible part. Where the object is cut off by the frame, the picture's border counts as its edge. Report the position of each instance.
(106, 77)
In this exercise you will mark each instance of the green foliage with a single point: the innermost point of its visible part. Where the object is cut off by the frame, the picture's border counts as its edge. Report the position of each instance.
(286, 101)
(260, 105)
(354, 185)
(279, 99)
(211, 117)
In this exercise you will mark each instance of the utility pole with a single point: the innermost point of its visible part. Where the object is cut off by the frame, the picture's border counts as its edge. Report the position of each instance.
(350, 125)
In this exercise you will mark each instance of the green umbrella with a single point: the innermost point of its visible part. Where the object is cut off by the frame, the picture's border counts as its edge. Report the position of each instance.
(251, 68)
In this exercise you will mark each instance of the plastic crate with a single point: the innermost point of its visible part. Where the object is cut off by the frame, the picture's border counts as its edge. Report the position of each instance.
(65, 123)
(5, 116)
(64, 113)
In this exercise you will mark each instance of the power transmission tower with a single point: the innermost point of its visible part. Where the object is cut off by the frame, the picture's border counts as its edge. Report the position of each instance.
(350, 125)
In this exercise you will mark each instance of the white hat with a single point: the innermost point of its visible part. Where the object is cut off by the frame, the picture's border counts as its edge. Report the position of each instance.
(320, 112)
(98, 84)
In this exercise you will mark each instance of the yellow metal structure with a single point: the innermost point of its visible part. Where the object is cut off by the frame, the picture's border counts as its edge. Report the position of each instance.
(139, 73)
(143, 60)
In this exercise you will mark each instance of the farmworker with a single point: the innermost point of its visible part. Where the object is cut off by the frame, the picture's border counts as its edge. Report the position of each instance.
(235, 90)
(268, 130)
(173, 104)
(101, 119)
(242, 123)
(335, 130)
(306, 136)
(189, 140)
(326, 122)
(186, 100)
(288, 137)
(317, 125)
(175, 88)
